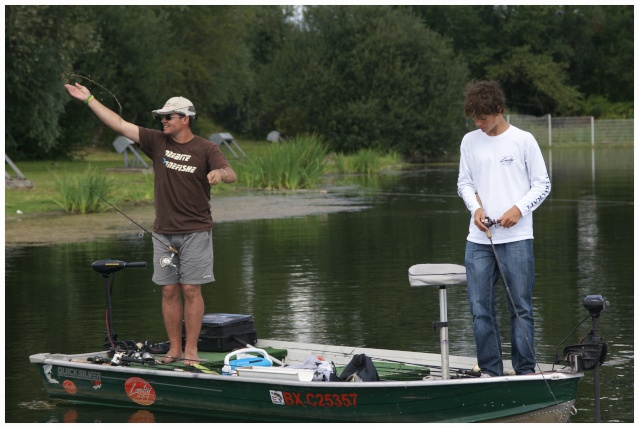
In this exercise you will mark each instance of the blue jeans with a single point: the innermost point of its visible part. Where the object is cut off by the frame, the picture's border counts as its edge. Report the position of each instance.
(482, 274)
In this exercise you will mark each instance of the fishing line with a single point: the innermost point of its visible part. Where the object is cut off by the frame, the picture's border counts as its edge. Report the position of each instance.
(69, 74)
(488, 223)
(169, 247)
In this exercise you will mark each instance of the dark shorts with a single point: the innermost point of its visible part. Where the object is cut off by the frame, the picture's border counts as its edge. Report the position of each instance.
(192, 265)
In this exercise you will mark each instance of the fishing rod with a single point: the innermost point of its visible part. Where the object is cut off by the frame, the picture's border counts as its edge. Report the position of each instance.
(169, 247)
(488, 222)
(131, 357)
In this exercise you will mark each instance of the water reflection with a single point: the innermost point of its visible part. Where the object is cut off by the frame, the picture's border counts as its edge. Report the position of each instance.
(587, 238)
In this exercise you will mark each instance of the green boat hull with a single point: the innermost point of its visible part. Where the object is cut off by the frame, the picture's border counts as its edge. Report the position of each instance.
(548, 397)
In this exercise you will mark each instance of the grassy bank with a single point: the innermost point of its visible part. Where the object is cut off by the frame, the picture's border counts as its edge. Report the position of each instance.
(129, 188)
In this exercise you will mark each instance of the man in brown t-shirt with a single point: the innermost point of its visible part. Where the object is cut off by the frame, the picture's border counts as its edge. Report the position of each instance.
(185, 166)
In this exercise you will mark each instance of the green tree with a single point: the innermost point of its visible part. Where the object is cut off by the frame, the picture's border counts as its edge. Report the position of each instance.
(133, 58)
(604, 61)
(153, 53)
(549, 58)
(265, 36)
(367, 77)
(41, 42)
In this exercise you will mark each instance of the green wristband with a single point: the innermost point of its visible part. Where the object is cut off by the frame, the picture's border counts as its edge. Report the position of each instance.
(88, 100)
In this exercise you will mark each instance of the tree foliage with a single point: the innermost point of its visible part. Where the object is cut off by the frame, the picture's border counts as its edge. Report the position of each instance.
(41, 42)
(382, 77)
(548, 58)
(366, 77)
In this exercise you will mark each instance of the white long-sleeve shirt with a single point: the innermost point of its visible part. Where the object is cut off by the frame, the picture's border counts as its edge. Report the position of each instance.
(504, 170)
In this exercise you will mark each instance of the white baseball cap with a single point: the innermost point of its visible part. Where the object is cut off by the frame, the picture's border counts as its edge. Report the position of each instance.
(179, 105)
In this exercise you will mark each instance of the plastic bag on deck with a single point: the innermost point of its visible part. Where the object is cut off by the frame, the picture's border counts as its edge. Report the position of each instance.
(361, 368)
(324, 371)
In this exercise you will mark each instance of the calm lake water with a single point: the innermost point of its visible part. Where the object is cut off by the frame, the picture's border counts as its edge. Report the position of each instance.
(342, 278)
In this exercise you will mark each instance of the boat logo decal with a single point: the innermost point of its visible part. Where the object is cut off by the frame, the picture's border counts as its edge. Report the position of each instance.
(69, 386)
(313, 399)
(140, 391)
(276, 397)
(48, 369)
(79, 374)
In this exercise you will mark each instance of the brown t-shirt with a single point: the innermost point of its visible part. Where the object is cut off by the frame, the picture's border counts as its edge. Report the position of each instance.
(181, 190)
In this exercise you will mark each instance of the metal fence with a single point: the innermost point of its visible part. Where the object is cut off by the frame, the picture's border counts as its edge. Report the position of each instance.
(577, 130)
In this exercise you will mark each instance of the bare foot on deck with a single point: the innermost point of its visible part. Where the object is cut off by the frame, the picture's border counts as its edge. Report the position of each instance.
(191, 358)
(174, 355)
(167, 359)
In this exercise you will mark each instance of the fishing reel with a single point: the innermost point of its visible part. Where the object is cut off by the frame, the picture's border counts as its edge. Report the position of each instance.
(488, 222)
(126, 358)
(167, 261)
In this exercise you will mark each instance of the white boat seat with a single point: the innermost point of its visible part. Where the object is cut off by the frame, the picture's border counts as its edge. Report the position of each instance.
(436, 275)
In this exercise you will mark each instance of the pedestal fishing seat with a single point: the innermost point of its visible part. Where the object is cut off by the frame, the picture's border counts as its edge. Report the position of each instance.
(439, 275)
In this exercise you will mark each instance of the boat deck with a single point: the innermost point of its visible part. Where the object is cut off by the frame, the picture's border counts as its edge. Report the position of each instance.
(213, 362)
(390, 365)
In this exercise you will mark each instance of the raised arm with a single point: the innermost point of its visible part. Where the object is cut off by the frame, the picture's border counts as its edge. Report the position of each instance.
(109, 117)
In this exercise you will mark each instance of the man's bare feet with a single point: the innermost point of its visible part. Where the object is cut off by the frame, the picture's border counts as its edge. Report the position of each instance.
(172, 356)
(167, 359)
(191, 358)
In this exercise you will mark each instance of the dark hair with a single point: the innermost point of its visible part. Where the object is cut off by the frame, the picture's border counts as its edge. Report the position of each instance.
(484, 97)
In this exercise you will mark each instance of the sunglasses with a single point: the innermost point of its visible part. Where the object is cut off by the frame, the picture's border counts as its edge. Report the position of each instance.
(168, 116)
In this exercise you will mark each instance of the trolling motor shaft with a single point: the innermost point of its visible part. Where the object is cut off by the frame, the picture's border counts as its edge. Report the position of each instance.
(107, 268)
(591, 354)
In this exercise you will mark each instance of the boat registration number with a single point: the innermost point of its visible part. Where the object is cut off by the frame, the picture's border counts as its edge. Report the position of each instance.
(313, 399)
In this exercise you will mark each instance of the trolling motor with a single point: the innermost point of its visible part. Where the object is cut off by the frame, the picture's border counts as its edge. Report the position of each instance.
(107, 268)
(590, 355)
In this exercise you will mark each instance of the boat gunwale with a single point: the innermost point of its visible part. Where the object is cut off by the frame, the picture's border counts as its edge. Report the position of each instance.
(67, 360)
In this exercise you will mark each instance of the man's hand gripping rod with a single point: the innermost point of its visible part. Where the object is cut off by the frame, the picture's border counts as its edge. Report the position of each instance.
(488, 222)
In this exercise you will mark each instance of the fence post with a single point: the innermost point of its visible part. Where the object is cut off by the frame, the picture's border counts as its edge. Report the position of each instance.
(592, 131)
(549, 130)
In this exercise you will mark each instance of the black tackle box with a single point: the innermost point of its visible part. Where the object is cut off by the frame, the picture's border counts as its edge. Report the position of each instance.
(220, 331)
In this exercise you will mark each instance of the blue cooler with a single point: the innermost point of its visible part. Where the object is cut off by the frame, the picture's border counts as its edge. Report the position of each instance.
(247, 360)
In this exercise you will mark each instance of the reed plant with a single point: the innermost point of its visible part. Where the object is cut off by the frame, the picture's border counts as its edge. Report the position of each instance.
(296, 164)
(74, 191)
(365, 161)
(137, 189)
(340, 161)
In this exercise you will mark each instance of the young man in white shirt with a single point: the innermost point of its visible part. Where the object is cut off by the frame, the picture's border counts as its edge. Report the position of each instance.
(502, 175)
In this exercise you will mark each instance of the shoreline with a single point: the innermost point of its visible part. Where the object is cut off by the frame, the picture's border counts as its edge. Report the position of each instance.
(52, 229)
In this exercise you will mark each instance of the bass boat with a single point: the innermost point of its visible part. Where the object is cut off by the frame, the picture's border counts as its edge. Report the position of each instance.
(243, 378)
